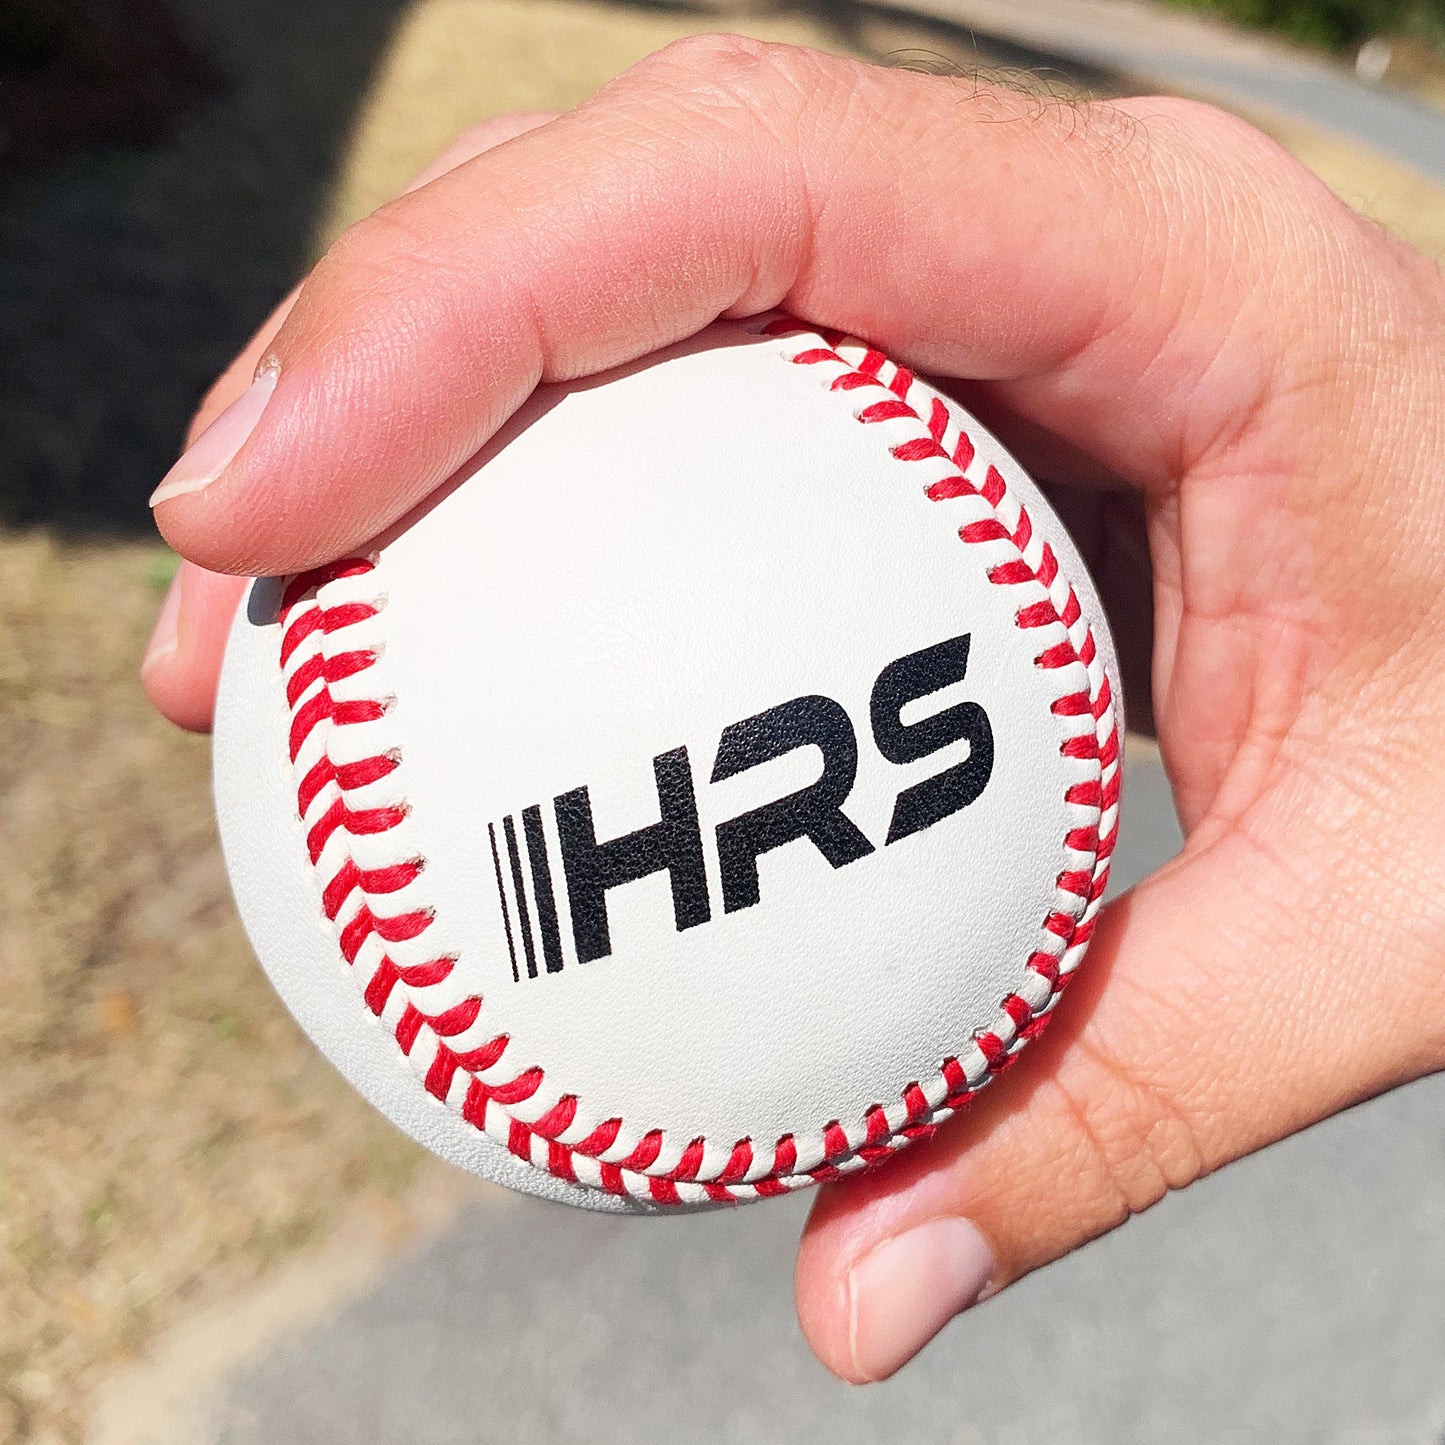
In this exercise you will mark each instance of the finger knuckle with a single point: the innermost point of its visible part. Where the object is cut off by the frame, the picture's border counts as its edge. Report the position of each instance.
(1132, 1141)
(711, 55)
(1225, 165)
(727, 71)
(1222, 181)
(1209, 127)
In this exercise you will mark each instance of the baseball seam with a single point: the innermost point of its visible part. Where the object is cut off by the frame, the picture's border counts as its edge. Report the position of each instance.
(351, 811)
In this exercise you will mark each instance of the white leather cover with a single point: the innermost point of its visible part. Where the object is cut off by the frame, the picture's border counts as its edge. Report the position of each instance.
(639, 561)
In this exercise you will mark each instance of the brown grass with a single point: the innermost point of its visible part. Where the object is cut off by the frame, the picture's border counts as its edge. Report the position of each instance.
(167, 1132)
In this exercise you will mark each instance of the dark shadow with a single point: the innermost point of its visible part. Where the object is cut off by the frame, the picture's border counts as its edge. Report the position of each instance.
(165, 195)
(143, 241)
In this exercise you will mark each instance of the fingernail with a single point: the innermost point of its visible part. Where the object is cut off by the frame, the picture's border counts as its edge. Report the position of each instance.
(166, 637)
(208, 456)
(903, 1291)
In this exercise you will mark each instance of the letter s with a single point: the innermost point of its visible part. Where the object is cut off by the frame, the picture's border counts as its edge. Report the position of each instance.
(906, 680)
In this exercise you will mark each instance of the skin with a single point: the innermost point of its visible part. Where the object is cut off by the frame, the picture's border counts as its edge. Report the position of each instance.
(1148, 294)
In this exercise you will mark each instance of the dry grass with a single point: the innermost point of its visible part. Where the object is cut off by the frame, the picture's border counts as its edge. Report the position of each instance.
(165, 1130)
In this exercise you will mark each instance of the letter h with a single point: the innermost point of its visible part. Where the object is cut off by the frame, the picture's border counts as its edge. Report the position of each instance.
(673, 843)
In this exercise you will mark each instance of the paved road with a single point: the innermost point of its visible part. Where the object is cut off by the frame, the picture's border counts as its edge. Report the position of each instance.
(1296, 1297)
(1180, 52)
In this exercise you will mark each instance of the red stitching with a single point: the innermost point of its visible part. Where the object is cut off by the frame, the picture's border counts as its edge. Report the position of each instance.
(308, 689)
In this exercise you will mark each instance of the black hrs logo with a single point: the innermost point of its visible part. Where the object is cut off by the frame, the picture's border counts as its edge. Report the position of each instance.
(674, 843)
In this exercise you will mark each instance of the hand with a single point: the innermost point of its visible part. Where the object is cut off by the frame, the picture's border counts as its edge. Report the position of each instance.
(1148, 290)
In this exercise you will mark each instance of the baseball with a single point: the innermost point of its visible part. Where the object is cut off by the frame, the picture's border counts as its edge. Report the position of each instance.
(703, 798)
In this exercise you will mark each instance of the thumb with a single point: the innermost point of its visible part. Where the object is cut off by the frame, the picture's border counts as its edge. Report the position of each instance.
(1205, 1024)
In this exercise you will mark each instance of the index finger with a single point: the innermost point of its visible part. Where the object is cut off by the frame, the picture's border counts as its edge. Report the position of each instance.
(1048, 251)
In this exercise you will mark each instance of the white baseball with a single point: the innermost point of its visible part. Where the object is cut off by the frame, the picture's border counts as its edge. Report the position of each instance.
(703, 798)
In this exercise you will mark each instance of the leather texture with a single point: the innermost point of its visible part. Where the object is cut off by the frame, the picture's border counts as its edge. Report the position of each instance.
(722, 550)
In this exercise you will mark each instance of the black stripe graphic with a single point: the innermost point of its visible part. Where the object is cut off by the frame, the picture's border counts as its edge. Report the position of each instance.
(524, 917)
(542, 888)
(502, 899)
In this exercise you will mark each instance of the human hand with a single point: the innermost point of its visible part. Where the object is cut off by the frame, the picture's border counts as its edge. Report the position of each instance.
(1148, 291)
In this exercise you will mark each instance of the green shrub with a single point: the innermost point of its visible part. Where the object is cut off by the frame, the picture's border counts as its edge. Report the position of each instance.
(1334, 24)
